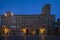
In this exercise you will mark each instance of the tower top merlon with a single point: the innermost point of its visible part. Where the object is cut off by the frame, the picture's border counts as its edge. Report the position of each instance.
(46, 9)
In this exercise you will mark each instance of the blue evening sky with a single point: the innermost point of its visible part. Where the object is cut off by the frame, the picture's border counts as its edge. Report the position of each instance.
(29, 6)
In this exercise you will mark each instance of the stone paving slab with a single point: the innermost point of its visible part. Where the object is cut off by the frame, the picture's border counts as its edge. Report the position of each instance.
(30, 38)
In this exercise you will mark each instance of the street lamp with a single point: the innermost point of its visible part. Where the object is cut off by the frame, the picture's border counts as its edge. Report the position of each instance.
(5, 29)
(33, 31)
(43, 33)
(6, 32)
(24, 30)
(42, 30)
(24, 33)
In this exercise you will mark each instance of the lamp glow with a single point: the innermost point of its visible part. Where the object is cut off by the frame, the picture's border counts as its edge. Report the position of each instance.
(42, 30)
(24, 30)
(6, 30)
(5, 14)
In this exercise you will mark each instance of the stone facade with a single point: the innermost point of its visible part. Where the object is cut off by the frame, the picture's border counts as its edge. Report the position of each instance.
(30, 21)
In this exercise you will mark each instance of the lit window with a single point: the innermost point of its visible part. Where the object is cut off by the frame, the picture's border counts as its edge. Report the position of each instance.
(13, 26)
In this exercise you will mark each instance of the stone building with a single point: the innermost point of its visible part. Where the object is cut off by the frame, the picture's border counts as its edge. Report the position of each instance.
(58, 26)
(29, 21)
